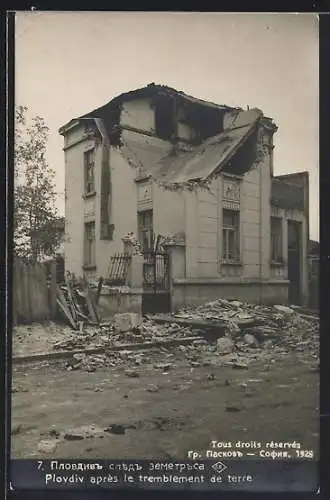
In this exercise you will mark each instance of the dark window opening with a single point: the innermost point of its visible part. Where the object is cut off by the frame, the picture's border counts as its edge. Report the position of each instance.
(207, 122)
(165, 121)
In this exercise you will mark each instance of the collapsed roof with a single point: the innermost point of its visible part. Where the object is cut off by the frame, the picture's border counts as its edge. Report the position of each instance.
(178, 166)
(232, 147)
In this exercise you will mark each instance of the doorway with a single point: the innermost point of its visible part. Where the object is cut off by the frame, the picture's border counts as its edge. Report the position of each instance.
(294, 262)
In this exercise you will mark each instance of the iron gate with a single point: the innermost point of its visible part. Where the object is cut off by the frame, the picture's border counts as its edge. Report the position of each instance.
(156, 282)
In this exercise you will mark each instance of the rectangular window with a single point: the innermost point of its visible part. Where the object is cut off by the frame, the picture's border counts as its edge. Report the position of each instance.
(276, 239)
(89, 160)
(230, 235)
(89, 247)
(145, 225)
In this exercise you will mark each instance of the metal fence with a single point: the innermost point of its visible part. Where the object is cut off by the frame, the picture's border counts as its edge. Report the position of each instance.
(119, 269)
(156, 271)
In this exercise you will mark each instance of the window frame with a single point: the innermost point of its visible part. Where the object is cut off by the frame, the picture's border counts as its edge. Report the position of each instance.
(145, 229)
(229, 256)
(89, 245)
(89, 185)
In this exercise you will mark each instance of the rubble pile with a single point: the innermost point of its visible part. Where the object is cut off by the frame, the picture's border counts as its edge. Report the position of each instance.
(221, 332)
(244, 333)
(76, 302)
(128, 360)
(106, 336)
(258, 325)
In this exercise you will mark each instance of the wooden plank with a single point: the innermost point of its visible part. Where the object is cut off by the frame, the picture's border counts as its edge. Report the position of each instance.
(61, 300)
(91, 306)
(43, 288)
(71, 301)
(67, 314)
(79, 308)
(53, 291)
(41, 302)
(33, 292)
(26, 312)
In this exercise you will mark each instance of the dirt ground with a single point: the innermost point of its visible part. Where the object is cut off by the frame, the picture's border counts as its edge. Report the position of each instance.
(38, 338)
(161, 414)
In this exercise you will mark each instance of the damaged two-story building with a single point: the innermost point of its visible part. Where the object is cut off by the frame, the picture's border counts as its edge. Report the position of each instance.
(155, 161)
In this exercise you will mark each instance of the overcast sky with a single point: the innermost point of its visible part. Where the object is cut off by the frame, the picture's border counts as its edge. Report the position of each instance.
(70, 63)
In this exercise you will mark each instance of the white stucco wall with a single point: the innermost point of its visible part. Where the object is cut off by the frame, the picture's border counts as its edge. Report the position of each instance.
(251, 223)
(138, 114)
(123, 210)
(77, 209)
(204, 228)
(208, 228)
(168, 211)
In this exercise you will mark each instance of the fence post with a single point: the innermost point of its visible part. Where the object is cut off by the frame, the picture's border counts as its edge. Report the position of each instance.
(136, 272)
(177, 268)
(53, 302)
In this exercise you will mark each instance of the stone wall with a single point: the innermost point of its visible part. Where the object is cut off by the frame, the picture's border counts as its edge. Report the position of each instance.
(119, 300)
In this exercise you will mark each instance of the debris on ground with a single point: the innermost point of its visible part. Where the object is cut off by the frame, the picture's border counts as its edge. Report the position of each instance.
(236, 334)
(225, 345)
(47, 446)
(77, 302)
(115, 429)
(127, 322)
(269, 327)
(132, 373)
(83, 432)
(152, 388)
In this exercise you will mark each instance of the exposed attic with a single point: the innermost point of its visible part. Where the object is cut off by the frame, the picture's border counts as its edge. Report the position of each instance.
(171, 108)
(223, 139)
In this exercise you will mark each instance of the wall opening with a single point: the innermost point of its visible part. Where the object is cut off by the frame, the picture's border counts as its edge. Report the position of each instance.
(165, 120)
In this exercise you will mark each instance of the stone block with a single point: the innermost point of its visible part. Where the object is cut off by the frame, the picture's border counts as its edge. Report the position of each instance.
(126, 322)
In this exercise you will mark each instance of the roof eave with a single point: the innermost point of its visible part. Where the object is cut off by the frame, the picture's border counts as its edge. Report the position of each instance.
(68, 126)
